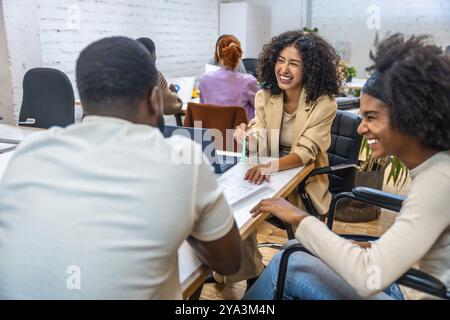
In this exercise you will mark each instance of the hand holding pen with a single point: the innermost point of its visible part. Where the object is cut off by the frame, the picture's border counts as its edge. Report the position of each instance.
(242, 132)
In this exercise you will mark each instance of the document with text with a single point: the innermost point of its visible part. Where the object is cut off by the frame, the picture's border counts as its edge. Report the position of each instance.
(235, 188)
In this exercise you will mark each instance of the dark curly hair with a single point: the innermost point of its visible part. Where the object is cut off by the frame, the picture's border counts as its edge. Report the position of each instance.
(414, 77)
(320, 64)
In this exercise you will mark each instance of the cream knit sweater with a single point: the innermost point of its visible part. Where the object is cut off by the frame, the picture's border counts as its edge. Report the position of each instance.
(419, 238)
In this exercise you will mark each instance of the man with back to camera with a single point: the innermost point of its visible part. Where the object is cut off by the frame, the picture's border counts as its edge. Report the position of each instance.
(87, 212)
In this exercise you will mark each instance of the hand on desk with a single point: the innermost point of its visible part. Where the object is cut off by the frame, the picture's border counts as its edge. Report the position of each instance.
(259, 173)
(282, 209)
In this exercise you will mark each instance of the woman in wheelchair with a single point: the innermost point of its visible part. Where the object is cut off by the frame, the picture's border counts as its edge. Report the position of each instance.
(406, 112)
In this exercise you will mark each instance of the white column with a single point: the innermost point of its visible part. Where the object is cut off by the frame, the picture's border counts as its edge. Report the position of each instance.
(20, 50)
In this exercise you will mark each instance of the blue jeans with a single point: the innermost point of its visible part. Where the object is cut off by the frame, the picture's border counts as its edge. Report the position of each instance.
(308, 278)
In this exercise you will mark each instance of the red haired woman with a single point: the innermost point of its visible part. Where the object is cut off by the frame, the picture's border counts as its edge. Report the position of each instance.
(227, 86)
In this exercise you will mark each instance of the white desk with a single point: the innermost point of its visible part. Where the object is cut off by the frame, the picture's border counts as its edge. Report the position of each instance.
(8, 132)
(281, 184)
(12, 133)
(4, 160)
(192, 272)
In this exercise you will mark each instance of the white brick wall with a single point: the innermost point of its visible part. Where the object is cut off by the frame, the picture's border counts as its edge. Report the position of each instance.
(184, 31)
(49, 33)
(6, 103)
(345, 21)
(249, 22)
(285, 14)
(23, 50)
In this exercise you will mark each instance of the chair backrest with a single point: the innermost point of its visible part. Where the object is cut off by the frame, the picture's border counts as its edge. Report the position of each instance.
(344, 103)
(344, 149)
(216, 117)
(48, 98)
(250, 65)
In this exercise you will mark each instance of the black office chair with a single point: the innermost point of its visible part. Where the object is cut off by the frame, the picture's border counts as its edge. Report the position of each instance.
(48, 99)
(413, 278)
(343, 159)
(346, 103)
(250, 65)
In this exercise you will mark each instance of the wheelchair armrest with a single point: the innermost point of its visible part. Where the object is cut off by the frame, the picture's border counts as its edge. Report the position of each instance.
(424, 282)
(375, 196)
(282, 271)
(414, 279)
(366, 195)
(359, 237)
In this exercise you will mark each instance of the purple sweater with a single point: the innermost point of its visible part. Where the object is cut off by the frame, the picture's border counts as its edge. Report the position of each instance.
(230, 88)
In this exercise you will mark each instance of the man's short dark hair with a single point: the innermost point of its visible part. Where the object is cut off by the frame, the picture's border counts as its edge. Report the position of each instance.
(114, 75)
(414, 77)
(148, 43)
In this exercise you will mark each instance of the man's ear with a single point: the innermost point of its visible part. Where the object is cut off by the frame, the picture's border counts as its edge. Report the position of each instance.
(156, 103)
(156, 109)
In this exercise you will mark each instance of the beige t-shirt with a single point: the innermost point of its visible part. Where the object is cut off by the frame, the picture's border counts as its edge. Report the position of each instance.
(419, 238)
(287, 133)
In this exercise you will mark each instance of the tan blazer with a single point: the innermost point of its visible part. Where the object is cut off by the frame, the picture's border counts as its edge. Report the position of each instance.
(312, 127)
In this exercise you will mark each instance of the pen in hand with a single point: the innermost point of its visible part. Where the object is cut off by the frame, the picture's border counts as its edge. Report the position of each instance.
(244, 151)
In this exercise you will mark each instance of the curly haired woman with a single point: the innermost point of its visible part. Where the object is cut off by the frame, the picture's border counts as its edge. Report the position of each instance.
(294, 113)
(406, 112)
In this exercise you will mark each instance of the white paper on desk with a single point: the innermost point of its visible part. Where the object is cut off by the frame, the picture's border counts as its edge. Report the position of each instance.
(6, 147)
(14, 133)
(234, 187)
(241, 209)
(188, 261)
(4, 160)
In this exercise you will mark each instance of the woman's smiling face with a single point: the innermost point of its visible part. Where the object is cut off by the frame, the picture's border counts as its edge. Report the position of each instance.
(289, 69)
(376, 127)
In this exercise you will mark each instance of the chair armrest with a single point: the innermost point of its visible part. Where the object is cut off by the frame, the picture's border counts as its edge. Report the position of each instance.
(366, 195)
(359, 237)
(424, 282)
(282, 271)
(414, 279)
(375, 196)
(324, 170)
(332, 169)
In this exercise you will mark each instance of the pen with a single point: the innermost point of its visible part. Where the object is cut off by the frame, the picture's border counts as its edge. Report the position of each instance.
(244, 147)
